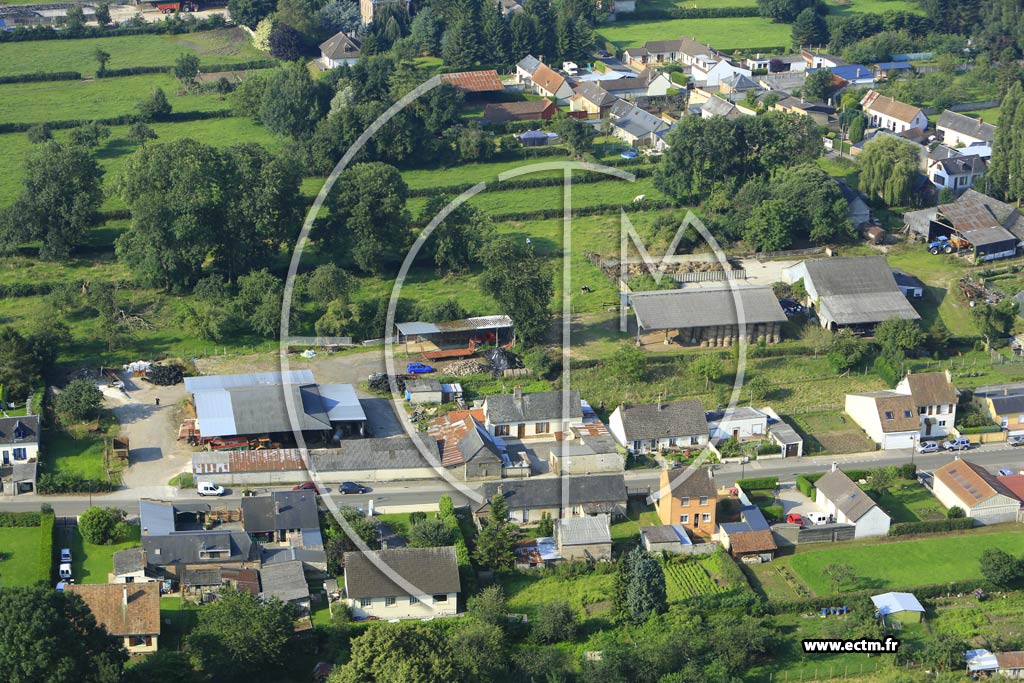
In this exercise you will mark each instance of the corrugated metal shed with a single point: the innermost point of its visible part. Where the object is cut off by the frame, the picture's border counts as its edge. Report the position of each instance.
(705, 307)
(341, 403)
(207, 383)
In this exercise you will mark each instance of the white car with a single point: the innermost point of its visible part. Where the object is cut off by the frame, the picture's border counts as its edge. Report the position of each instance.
(960, 443)
(928, 447)
(65, 555)
(208, 488)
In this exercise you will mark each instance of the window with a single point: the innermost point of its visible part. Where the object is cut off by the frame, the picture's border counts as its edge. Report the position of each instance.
(440, 598)
(942, 423)
(413, 600)
(684, 519)
(921, 410)
(756, 429)
(136, 641)
(20, 454)
(365, 602)
(889, 415)
(542, 428)
(501, 430)
(694, 440)
(685, 501)
(944, 409)
(706, 517)
(1020, 418)
(389, 601)
(703, 500)
(907, 413)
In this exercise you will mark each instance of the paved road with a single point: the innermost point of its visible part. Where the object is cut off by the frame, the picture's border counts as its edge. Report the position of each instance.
(992, 456)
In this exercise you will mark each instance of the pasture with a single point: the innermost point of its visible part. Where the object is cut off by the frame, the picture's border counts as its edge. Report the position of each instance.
(872, 6)
(906, 562)
(221, 46)
(735, 33)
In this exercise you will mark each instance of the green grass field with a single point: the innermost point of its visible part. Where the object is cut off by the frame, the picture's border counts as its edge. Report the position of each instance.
(872, 6)
(91, 563)
(905, 563)
(721, 34)
(19, 555)
(80, 454)
(527, 592)
(908, 501)
(222, 46)
(97, 99)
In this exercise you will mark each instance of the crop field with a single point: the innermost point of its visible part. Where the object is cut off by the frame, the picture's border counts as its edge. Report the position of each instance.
(905, 563)
(222, 46)
(735, 33)
(688, 580)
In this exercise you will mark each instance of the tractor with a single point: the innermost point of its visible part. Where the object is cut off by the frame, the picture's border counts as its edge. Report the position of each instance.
(948, 245)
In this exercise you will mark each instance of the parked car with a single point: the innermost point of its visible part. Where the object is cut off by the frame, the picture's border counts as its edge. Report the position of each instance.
(628, 154)
(960, 443)
(791, 307)
(65, 555)
(1015, 441)
(1005, 472)
(347, 487)
(208, 488)
(793, 518)
(817, 517)
(418, 368)
(928, 447)
(65, 571)
(305, 486)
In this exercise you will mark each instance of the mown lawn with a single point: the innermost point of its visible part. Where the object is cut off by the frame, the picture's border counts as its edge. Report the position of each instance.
(19, 555)
(528, 591)
(908, 501)
(904, 563)
(177, 617)
(91, 563)
(734, 33)
(78, 453)
(872, 6)
(96, 99)
(222, 46)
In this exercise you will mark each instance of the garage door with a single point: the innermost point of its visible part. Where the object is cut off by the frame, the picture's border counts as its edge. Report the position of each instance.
(893, 441)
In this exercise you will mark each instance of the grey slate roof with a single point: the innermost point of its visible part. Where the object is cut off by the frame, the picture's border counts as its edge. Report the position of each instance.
(846, 495)
(692, 482)
(966, 125)
(658, 421)
(963, 165)
(315, 556)
(583, 530)
(201, 577)
(548, 492)
(198, 547)
(211, 382)
(539, 406)
(279, 511)
(858, 289)
(594, 93)
(529, 63)
(716, 106)
(285, 581)
(340, 46)
(784, 433)
(19, 429)
(395, 452)
(705, 307)
(1007, 405)
(474, 444)
(431, 571)
(662, 533)
(156, 517)
(422, 385)
(129, 560)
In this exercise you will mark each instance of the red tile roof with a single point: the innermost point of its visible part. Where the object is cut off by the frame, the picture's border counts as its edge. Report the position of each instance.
(448, 430)
(138, 614)
(475, 81)
(1015, 484)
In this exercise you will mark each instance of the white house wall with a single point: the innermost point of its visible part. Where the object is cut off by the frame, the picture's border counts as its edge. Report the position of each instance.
(402, 609)
(874, 523)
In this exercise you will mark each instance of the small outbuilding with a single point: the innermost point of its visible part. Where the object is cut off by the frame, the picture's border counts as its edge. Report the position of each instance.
(669, 538)
(901, 607)
(584, 538)
(423, 391)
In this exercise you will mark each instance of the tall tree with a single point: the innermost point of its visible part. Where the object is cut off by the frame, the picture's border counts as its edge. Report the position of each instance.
(102, 14)
(495, 34)
(61, 194)
(809, 28)
(250, 12)
(521, 282)
(291, 103)
(102, 57)
(542, 14)
(426, 31)
(897, 337)
(48, 635)
(238, 634)
(399, 652)
(888, 168)
(640, 590)
(367, 222)
(577, 135)
(19, 372)
(285, 42)
(522, 35)
(186, 68)
(496, 541)
(818, 85)
(460, 45)
(1006, 171)
(455, 243)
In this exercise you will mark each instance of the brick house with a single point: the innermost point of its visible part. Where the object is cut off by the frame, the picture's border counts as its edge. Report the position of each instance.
(687, 497)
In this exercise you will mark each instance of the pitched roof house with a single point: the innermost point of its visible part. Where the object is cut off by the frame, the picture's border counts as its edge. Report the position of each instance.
(520, 415)
(587, 448)
(130, 612)
(751, 537)
(281, 514)
(286, 581)
(955, 169)
(656, 52)
(474, 81)
(959, 130)
(531, 110)
(857, 290)
(657, 426)
(840, 497)
(687, 496)
(19, 454)
(339, 49)
(889, 418)
(402, 583)
(567, 496)
(976, 491)
(592, 98)
(637, 126)
(935, 399)
(549, 83)
(466, 447)
(889, 113)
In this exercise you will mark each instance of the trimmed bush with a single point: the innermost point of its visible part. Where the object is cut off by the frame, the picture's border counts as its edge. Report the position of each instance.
(20, 519)
(209, 68)
(983, 429)
(759, 484)
(694, 13)
(45, 571)
(805, 482)
(41, 76)
(908, 471)
(931, 527)
(63, 482)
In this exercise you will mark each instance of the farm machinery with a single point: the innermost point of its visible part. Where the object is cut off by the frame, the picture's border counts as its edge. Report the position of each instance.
(948, 245)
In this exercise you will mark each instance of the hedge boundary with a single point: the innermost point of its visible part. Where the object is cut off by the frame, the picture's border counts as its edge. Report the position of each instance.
(758, 483)
(71, 483)
(41, 76)
(20, 519)
(698, 13)
(583, 177)
(122, 120)
(446, 513)
(45, 567)
(209, 68)
(933, 590)
(169, 26)
(931, 527)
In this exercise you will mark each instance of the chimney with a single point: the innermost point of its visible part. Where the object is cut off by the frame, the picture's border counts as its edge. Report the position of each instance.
(125, 594)
(517, 393)
(277, 507)
(835, 466)
(711, 473)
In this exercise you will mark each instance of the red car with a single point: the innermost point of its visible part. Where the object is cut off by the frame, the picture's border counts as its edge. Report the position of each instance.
(305, 486)
(793, 518)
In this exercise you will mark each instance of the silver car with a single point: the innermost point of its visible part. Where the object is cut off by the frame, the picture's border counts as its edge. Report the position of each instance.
(928, 447)
(1017, 440)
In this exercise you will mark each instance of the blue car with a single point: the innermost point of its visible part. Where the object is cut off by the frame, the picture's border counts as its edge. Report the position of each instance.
(418, 369)
(628, 154)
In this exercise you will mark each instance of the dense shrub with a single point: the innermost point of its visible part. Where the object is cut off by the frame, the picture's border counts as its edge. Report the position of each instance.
(208, 68)
(103, 526)
(122, 120)
(446, 513)
(908, 471)
(527, 183)
(768, 448)
(44, 573)
(170, 26)
(759, 483)
(929, 591)
(805, 482)
(694, 13)
(41, 76)
(773, 513)
(983, 429)
(20, 519)
(931, 527)
(64, 482)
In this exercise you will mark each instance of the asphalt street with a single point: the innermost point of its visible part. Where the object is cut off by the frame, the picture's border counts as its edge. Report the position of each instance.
(992, 456)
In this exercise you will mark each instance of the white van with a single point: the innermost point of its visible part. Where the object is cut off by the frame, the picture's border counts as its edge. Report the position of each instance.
(816, 517)
(208, 488)
(64, 572)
